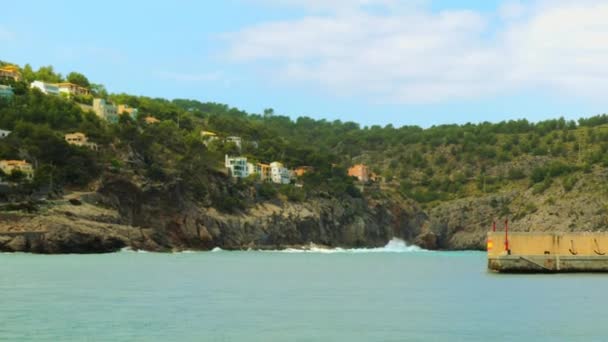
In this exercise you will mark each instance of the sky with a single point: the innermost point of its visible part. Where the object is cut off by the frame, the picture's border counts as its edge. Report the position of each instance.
(399, 62)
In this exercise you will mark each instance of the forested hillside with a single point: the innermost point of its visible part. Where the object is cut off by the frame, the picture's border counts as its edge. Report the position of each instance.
(539, 162)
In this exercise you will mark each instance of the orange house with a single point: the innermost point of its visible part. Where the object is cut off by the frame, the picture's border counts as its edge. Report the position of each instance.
(359, 171)
(10, 71)
(151, 120)
(302, 170)
(72, 89)
(9, 166)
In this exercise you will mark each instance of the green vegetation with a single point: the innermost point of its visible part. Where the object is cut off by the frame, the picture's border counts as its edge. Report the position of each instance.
(430, 165)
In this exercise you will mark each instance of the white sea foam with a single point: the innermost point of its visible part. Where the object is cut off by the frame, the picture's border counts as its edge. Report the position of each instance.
(393, 246)
(131, 250)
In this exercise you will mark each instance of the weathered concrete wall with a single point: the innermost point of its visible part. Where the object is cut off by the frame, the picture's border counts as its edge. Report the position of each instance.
(548, 252)
(562, 244)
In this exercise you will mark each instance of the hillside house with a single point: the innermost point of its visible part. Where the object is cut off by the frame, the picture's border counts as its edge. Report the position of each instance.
(80, 139)
(302, 170)
(6, 91)
(10, 72)
(10, 166)
(208, 137)
(235, 140)
(126, 110)
(150, 120)
(279, 174)
(262, 171)
(361, 172)
(4, 133)
(72, 89)
(237, 166)
(105, 110)
(45, 88)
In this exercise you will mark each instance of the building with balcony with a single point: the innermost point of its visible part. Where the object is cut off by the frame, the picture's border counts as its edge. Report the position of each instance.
(279, 174)
(235, 140)
(10, 166)
(208, 137)
(6, 91)
(105, 110)
(150, 120)
(45, 88)
(10, 72)
(80, 139)
(302, 170)
(262, 171)
(72, 89)
(359, 171)
(127, 110)
(237, 166)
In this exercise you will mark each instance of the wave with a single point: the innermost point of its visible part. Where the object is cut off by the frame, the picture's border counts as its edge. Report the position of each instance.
(131, 250)
(393, 246)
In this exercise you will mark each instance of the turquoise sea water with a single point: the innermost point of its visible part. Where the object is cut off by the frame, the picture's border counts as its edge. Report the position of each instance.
(268, 296)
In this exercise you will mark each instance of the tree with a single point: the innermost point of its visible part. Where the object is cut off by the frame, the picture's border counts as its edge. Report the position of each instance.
(78, 78)
(47, 74)
(268, 112)
(99, 90)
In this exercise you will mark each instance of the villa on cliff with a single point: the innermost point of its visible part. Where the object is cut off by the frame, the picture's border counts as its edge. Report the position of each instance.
(302, 170)
(361, 172)
(105, 110)
(208, 137)
(235, 140)
(71, 89)
(274, 172)
(150, 120)
(45, 88)
(10, 166)
(6, 91)
(10, 72)
(127, 110)
(80, 139)
(261, 170)
(279, 173)
(237, 166)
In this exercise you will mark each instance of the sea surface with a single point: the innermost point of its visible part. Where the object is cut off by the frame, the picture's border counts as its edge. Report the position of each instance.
(397, 293)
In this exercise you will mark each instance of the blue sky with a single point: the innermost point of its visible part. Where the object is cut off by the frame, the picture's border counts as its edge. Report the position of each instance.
(381, 62)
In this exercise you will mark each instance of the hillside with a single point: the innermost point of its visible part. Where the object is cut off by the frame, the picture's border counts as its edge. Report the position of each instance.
(440, 187)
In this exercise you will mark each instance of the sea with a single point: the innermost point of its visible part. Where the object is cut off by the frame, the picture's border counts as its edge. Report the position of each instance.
(396, 293)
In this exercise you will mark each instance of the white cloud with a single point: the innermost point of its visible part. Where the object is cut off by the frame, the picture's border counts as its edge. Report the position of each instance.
(414, 55)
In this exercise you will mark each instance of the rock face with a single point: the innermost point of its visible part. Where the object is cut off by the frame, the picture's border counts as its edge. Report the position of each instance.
(161, 218)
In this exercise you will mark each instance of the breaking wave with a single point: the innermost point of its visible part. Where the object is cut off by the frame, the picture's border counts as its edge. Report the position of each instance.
(393, 246)
(131, 250)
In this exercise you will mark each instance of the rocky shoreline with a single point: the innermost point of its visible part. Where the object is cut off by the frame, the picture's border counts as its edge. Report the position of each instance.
(121, 214)
(160, 218)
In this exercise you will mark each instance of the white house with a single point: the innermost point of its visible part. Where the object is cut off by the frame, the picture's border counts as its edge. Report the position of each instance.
(235, 140)
(237, 166)
(4, 134)
(45, 88)
(6, 91)
(105, 110)
(279, 174)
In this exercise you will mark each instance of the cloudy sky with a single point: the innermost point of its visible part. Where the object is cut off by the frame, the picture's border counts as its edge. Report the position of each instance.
(397, 62)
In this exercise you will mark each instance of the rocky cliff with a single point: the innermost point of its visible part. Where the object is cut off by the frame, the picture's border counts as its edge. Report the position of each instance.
(162, 218)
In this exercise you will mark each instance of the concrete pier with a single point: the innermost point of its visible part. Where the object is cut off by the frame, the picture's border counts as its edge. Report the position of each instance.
(548, 252)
